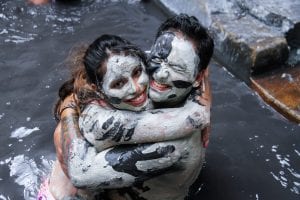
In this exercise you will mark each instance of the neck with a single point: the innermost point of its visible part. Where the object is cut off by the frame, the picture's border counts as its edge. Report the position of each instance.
(170, 104)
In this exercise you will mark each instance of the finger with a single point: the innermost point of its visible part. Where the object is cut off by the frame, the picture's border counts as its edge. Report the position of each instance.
(160, 152)
(202, 101)
(205, 133)
(205, 144)
(165, 150)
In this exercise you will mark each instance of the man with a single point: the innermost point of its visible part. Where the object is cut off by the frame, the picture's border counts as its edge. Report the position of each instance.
(179, 59)
(178, 62)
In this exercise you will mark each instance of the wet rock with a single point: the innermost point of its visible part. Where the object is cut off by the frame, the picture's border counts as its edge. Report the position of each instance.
(246, 46)
(192, 7)
(281, 89)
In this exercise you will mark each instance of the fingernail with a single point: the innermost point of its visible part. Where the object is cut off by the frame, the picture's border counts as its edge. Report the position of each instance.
(206, 144)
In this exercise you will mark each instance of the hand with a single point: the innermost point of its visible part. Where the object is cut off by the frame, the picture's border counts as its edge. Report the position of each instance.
(205, 133)
(205, 91)
(142, 161)
(206, 100)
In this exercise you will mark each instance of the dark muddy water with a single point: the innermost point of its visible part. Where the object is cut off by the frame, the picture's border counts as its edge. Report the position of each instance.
(254, 153)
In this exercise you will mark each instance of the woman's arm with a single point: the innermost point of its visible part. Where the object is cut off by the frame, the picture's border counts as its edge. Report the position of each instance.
(104, 127)
(113, 168)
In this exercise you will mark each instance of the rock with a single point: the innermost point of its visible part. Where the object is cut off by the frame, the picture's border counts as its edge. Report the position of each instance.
(281, 89)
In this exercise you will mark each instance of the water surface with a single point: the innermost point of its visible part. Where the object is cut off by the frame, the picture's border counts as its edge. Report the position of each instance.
(254, 153)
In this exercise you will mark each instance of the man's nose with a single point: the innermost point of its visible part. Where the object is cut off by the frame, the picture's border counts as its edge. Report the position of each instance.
(162, 73)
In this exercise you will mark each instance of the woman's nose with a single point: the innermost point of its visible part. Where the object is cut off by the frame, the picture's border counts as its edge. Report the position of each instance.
(134, 87)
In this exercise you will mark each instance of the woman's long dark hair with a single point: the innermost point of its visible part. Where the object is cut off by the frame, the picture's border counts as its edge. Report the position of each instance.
(88, 67)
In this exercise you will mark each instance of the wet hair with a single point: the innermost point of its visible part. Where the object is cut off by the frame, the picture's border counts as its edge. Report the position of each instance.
(99, 51)
(191, 27)
(88, 67)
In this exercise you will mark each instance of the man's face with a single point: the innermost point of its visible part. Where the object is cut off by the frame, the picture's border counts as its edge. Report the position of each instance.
(125, 83)
(174, 67)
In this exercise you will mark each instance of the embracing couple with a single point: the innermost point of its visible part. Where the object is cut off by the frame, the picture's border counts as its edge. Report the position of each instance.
(134, 126)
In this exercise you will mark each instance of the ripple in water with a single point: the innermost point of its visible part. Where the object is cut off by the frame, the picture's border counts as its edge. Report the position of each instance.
(287, 176)
(23, 132)
(20, 20)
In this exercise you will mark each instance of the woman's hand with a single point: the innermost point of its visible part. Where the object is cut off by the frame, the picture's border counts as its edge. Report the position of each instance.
(205, 99)
(204, 90)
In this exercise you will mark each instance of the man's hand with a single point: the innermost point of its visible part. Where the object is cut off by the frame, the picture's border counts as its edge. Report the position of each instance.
(143, 161)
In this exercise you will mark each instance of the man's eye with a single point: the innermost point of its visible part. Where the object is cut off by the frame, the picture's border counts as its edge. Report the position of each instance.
(118, 84)
(176, 67)
(156, 60)
(137, 72)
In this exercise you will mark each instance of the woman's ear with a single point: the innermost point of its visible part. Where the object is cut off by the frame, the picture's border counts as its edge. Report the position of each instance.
(93, 86)
(199, 79)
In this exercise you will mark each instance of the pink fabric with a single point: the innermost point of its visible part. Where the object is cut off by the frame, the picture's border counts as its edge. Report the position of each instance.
(44, 192)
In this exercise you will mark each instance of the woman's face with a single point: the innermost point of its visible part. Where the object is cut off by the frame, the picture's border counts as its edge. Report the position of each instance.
(126, 83)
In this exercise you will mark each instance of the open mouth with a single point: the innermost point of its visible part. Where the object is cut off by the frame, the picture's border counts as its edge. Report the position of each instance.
(158, 86)
(138, 100)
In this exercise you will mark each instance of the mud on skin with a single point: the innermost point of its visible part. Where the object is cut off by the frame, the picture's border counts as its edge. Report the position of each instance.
(124, 158)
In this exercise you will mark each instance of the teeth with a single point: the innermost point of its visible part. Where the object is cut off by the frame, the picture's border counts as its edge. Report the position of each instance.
(139, 98)
(159, 85)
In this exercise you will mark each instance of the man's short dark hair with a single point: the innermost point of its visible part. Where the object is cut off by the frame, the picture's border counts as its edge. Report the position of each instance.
(191, 27)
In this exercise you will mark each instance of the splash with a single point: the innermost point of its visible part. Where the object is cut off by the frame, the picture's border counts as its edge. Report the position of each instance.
(3, 197)
(288, 177)
(23, 132)
(18, 39)
(28, 174)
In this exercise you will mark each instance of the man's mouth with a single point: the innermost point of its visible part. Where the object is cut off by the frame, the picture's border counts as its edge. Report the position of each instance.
(138, 100)
(158, 86)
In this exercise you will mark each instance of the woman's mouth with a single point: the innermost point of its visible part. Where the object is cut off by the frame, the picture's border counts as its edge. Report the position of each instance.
(138, 100)
(158, 86)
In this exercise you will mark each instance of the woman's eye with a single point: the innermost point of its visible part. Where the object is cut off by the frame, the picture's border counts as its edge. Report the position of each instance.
(118, 84)
(137, 72)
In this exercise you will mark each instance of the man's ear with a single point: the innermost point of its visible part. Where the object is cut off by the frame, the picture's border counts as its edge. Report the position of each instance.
(199, 79)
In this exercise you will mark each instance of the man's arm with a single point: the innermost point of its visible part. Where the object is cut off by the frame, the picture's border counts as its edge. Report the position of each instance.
(104, 127)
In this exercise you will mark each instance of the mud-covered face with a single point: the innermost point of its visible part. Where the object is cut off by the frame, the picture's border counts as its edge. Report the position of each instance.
(125, 83)
(173, 68)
